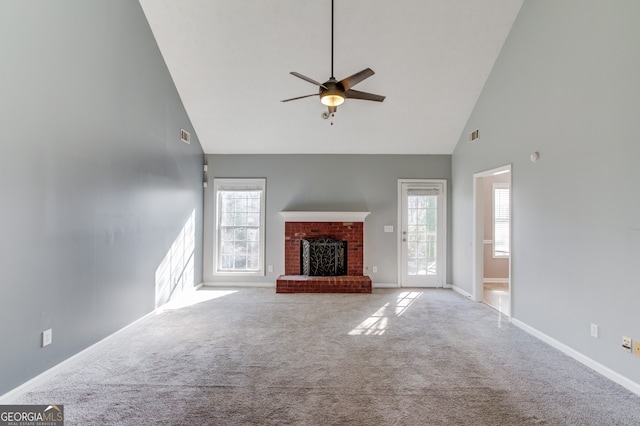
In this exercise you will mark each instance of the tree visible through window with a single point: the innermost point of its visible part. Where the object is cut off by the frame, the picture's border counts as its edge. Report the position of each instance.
(240, 218)
(422, 231)
(501, 219)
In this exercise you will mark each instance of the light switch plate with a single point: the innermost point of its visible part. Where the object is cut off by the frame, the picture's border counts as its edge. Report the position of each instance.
(388, 228)
(47, 337)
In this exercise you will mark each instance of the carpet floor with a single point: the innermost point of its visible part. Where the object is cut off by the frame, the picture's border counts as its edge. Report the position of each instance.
(394, 357)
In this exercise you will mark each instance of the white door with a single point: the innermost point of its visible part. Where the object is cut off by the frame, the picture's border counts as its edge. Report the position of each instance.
(422, 236)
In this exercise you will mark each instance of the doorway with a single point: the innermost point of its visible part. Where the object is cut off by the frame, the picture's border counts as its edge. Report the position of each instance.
(422, 242)
(492, 239)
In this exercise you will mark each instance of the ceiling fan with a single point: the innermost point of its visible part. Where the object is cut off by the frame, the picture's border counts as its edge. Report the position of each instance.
(333, 92)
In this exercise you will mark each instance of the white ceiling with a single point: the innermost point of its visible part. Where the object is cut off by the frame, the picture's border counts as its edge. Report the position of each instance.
(230, 61)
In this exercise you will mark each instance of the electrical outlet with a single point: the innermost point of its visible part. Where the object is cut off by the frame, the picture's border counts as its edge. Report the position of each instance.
(47, 337)
(270, 268)
(626, 343)
(375, 269)
(636, 348)
(594, 330)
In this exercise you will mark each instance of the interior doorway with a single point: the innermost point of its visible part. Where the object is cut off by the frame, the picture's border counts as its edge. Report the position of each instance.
(492, 239)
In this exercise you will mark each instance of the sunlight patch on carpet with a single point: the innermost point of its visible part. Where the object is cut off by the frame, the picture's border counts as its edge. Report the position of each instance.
(378, 322)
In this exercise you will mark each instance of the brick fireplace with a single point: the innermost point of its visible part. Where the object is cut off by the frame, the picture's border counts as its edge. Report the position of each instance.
(344, 226)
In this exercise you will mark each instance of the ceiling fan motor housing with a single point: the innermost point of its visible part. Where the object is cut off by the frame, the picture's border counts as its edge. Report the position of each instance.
(333, 95)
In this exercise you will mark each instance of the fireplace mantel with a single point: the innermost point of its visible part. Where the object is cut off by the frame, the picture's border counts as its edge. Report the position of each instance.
(307, 216)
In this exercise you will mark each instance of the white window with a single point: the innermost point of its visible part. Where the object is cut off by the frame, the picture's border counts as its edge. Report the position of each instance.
(501, 219)
(239, 207)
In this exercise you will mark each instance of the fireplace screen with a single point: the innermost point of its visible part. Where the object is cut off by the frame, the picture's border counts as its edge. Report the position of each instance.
(324, 257)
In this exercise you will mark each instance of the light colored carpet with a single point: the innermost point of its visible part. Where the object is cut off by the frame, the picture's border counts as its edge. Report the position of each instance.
(395, 357)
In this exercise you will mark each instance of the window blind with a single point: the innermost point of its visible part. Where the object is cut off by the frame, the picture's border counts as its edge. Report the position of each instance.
(501, 219)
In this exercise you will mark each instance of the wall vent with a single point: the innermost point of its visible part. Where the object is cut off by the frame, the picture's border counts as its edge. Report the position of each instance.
(185, 136)
(474, 136)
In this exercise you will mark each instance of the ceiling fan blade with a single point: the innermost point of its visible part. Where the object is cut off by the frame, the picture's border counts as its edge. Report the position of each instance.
(310, 80)
(356, 78)
(355, 94)
(299, 97)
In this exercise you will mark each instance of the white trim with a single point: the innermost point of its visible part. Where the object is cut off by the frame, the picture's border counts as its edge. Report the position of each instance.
(495, 280)
(445, 198)
(238, 184)
(385, 285)
(594, 365)
(477, 236)
(227, 284)
(461, 291)
(298, 216)
(12, 395)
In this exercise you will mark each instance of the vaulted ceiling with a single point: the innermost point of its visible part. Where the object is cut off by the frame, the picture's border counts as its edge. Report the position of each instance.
(230, 61)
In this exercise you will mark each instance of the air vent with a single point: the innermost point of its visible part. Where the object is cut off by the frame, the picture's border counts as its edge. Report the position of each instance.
(474, 136)
(185, 136)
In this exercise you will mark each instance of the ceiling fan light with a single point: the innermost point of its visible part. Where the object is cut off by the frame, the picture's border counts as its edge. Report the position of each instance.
(332, 99)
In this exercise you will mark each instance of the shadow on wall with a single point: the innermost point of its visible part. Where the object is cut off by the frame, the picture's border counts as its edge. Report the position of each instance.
(177, 270)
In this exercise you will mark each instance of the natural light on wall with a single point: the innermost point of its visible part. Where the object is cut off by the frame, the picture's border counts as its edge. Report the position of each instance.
(379, 321)
(176, 271)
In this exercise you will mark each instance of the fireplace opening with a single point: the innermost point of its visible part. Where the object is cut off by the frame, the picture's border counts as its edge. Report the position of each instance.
(323, 257)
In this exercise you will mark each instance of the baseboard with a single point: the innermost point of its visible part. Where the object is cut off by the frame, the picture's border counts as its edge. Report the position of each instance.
(12, 395)
(27, 386)
(384, 285)
(227, 284)
(461, 291)
(594, 365)
(496, 280)
(396, 285)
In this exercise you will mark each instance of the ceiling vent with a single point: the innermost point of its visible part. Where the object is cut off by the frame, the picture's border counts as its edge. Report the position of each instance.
(185, 136)
(474, 136)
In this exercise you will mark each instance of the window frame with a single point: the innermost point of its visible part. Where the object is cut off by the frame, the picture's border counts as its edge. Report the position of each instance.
(496, 186)
(237, 184)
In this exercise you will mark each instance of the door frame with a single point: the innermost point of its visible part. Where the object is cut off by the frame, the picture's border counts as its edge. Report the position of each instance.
(477, 257)
(444, 226)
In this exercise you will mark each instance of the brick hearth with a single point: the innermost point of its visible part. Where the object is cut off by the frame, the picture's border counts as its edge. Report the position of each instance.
(306, 284)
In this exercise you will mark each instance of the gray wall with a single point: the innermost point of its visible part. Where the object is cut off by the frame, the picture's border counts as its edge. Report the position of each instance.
(95, 184)
(329, 183)
(567, 85)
